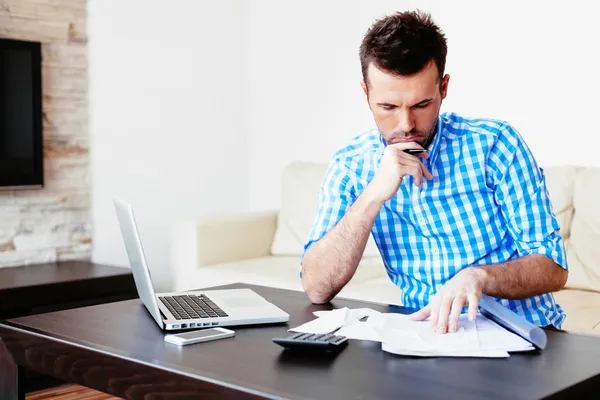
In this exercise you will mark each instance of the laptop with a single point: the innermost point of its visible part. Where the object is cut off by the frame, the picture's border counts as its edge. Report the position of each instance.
(194, 309)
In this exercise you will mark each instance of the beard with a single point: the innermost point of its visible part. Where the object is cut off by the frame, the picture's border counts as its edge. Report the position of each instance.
(424, 137)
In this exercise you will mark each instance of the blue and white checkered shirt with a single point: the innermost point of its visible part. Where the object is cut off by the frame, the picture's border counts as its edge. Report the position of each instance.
(487, 203)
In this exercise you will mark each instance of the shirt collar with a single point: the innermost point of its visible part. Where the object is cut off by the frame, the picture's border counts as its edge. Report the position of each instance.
(433, 149)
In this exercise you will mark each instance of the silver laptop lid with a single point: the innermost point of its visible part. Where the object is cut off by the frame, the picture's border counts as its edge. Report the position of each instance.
(137, 260)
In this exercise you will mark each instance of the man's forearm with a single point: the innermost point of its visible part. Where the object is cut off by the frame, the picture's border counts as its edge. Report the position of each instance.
(522, 277)
(331, 262)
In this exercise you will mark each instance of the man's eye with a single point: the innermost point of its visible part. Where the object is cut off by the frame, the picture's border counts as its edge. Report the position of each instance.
(388, 107)
(421, 105)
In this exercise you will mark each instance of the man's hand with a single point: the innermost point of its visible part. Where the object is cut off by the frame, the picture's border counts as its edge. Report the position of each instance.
(463, 289)
(395, 165)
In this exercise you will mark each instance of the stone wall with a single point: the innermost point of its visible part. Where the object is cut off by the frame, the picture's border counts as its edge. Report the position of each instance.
(52, 223)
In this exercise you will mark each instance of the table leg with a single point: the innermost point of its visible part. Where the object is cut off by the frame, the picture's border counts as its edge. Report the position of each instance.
(12, 376)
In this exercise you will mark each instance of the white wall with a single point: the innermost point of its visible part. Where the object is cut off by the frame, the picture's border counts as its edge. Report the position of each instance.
(197, 106)
(167, 114)
(532, 63)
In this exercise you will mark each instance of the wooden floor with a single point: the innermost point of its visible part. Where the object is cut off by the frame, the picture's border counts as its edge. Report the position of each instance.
(69, 392)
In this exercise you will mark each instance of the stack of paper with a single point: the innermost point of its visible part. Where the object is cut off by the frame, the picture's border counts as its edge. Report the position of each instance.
(399, 334)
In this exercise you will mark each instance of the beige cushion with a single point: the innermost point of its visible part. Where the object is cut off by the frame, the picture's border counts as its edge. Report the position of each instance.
(582, 309)
(299, 200)
(583, 248)
(561, 183)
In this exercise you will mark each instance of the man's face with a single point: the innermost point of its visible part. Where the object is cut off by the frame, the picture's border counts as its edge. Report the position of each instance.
(406, 108)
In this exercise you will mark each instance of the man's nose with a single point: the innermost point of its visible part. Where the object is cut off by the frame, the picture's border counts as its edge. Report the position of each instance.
(406, 122)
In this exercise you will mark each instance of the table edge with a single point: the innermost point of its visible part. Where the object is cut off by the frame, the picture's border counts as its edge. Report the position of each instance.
(34, 332)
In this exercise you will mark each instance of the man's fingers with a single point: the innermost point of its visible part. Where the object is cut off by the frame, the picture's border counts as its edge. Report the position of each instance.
(426, 172)
(457, 306)
(434, 306)
(407, 160)
(473, 303)
(442, 319)
(416, 173)
(414, 167)
(422, 314)
(406, 145)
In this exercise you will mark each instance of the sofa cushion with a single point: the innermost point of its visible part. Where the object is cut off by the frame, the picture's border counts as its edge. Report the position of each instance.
(299, 200)
(583, 246)
(561, 183)
(582, 309)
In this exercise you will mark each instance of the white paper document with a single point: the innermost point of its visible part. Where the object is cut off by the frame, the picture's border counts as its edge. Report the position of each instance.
(329, 321)
(479, 338)
(399, 334)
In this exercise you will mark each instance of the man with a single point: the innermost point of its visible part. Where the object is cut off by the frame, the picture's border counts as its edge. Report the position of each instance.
(469, 214)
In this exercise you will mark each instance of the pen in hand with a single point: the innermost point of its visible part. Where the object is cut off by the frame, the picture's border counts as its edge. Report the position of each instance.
(414, 151)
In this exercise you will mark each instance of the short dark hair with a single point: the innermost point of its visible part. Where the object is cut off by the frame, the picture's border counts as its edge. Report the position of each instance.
(403, 43)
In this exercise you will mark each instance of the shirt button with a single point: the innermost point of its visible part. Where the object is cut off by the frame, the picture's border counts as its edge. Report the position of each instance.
(435, 251)
(421, 220)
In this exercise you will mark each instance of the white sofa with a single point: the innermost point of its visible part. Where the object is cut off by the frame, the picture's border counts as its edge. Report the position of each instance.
(264, 248)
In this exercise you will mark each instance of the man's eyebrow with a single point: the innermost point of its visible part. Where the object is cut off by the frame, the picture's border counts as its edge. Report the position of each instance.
(423, 101)
(417, 104)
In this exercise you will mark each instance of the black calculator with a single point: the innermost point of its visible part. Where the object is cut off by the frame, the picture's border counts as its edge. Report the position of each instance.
(326, 342)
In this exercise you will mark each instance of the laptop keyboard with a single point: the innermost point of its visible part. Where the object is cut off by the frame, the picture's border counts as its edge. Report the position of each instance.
(192, 307)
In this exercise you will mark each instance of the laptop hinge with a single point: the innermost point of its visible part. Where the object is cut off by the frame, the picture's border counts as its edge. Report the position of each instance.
(164, 317)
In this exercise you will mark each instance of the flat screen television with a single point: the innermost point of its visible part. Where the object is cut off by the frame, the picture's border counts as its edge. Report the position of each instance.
(21, 153)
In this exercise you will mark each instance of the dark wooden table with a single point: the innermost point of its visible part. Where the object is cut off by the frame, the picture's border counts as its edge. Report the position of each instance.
(40, 288)
(57, 286)
(117, 348)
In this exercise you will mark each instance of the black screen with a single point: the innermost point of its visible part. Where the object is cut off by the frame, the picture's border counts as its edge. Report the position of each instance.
(20, 114)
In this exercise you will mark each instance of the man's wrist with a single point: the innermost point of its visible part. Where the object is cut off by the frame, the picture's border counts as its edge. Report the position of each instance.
(482, 276)
(372, 198)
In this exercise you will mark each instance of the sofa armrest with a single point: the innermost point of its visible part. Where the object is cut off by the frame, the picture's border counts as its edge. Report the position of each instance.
(220, 240)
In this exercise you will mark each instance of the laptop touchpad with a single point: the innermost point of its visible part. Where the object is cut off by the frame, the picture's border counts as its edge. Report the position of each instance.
(240, 302)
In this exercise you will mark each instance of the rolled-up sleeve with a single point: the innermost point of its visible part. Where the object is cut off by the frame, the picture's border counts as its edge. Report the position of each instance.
(522, 194)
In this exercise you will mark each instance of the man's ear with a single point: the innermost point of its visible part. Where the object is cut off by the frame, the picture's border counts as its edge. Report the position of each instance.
(444, 86)
(363, 85)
